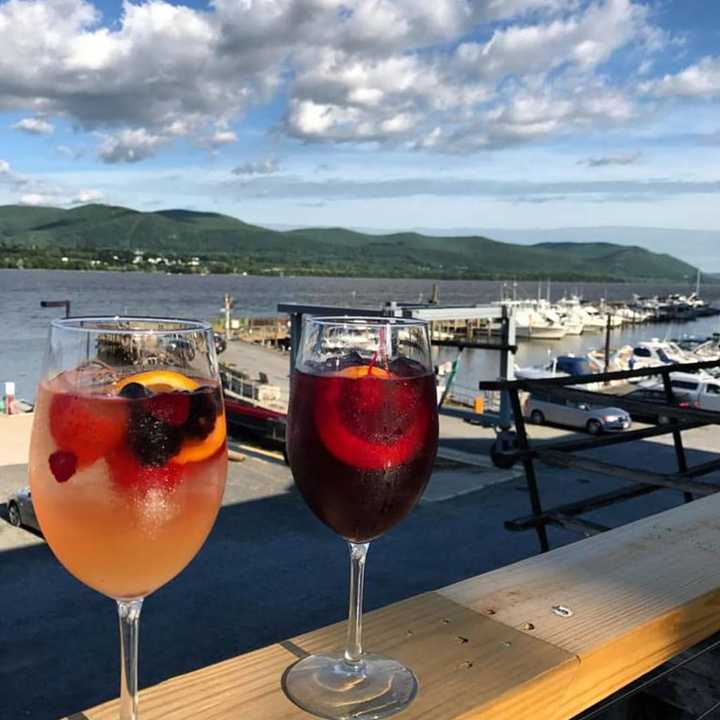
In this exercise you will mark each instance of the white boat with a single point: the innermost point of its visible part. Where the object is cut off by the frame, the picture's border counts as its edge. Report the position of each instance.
(592, 319)
(536, 320)
(655, 352)
(571, 314)
(573, 323)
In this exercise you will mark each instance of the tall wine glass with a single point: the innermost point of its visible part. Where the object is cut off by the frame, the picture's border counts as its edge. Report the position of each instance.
(128, 458)
(362, 438)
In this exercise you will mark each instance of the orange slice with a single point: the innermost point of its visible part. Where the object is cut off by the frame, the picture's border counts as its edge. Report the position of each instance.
(356, 372)
(160, 381)
(197, 450)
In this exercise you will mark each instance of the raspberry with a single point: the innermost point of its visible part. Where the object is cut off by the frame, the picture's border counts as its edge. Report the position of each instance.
(62, 465)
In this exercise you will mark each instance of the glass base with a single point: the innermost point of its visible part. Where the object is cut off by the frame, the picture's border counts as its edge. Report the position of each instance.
(329, 687)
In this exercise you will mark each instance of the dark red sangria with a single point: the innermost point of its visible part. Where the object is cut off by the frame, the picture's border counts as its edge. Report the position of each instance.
(362, 441)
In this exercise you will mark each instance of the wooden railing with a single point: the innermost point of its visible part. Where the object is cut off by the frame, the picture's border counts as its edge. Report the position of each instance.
(542, 639)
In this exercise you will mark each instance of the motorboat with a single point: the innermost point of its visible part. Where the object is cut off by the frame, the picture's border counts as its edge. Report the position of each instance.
(536, 321)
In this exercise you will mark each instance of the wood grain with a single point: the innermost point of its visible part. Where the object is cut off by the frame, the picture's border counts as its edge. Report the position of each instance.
(468, 666)
(638, 595)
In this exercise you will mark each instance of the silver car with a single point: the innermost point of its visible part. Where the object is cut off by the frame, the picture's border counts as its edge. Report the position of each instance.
(20, 510)
(541, 408)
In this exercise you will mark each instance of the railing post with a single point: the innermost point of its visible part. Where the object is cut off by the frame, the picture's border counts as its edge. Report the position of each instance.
(507, 370)
(522, 443)
(677, 436)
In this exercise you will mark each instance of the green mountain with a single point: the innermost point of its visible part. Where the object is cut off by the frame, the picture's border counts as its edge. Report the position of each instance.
(227, 244)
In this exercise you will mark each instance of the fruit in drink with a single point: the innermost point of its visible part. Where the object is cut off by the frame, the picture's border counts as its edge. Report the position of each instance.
(361, 443)
(127, 477)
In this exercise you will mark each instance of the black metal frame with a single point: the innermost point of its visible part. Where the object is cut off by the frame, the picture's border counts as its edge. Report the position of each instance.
(561, 453)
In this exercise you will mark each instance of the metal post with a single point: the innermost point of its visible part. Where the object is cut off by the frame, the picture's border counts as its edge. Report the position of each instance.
(295, 330)
(607, 343)
(522, 443)
(507, 338)
(226, 309)
(677, 436)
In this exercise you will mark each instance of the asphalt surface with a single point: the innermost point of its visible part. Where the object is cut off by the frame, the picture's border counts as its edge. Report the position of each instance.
(269, 571)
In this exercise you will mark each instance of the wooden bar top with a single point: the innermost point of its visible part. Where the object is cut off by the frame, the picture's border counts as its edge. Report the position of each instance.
(542, 639)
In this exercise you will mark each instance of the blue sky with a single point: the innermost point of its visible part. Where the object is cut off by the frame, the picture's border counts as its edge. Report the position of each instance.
(368, 113)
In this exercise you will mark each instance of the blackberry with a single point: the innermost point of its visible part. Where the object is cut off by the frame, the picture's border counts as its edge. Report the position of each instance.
(203, 413)
(152, 440)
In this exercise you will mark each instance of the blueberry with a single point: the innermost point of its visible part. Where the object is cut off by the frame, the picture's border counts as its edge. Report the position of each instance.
(203, 413)
(152, 440)
(135, 391)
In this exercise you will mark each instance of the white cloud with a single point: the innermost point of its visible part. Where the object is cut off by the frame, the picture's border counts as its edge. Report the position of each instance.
(163, 70)
(4, 167)
(262, 167)
(34, 126)
(584, 39)
(354, 70)
(223, 136)
(528, 81)
(37, 199)
(700, 80)
(129, 146)
(87, 196)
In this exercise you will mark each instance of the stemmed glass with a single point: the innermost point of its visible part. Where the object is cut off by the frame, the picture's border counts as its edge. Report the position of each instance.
(362, 437)
(128, 458)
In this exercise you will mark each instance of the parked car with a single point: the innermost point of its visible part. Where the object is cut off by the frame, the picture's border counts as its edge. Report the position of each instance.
(656, 396)
(21, 511)
(543, 407)
(699, 391)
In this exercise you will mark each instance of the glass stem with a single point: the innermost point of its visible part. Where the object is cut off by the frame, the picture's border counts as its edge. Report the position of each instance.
(353, 649)
(129, 614)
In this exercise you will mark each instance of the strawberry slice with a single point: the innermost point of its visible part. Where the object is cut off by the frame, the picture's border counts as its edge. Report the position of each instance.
(129, 474)
(88, 427)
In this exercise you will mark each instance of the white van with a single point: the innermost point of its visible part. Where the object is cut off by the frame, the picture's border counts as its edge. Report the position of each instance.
(701, 391)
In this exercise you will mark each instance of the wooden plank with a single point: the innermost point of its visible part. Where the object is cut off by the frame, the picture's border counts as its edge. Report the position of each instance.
(468, 665)
(469, 668)
(637, 596)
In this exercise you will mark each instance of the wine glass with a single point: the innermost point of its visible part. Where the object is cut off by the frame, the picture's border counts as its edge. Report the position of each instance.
(128, 458)
(362, 437)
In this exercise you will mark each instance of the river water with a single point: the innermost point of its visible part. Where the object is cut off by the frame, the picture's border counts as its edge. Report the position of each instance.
(25, 323)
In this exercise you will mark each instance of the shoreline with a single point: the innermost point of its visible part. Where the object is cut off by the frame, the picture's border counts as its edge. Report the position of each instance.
(492, 277)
